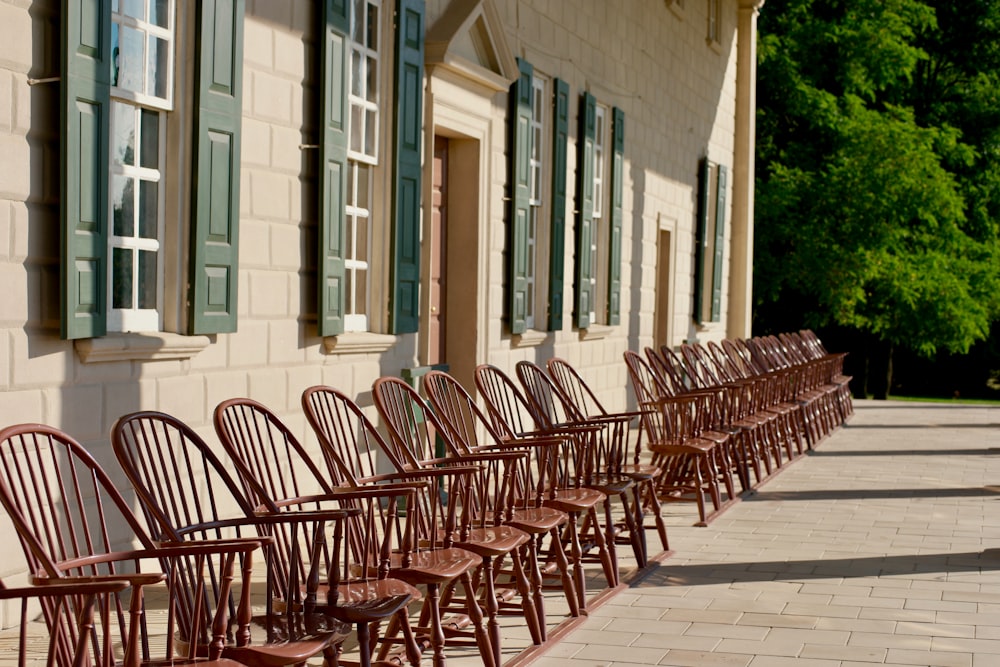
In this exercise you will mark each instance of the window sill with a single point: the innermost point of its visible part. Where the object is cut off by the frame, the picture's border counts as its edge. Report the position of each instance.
(677, 8)
(139, 347)
(596, 332)
(530, 338)
(358, 342)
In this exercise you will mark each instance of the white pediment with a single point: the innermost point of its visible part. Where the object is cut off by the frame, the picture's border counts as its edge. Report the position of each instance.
(469, 40)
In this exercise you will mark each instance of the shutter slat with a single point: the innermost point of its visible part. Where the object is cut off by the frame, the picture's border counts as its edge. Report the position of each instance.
(216, 167)
(85, 111)
(404, 275)
(331, 238)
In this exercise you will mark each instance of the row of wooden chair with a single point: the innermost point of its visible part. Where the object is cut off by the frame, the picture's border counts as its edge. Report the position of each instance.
(344, 543)
(471, 512)
(722, 414)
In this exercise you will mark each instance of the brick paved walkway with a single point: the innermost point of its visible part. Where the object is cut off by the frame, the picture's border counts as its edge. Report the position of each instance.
(881, 547)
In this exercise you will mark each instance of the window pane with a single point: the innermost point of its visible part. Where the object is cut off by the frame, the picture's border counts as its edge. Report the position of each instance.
(148, 208)
(149, 147)
(357, 36)
(121, 282)
(127, 57)
(123, 142)
(363, 173)
(158, 12)
(123, 206)
(361, 303)
(362, 240)
(370, 126)
(147, 279)
(156, 81)
(357, 80)
(134, 8)
(357, 128)
(373, 27)
(372, 80)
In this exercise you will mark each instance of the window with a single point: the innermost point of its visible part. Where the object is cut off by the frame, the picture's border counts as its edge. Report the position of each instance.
(714, 21)
(600, 155)
(536, 167)
(363, 158)
(709, 251)
(118, 93)
(142, 41)
(598, 235)
(537, 142)
(353, 160)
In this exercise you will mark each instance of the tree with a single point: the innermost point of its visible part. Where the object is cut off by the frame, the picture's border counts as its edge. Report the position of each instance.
(878, 184)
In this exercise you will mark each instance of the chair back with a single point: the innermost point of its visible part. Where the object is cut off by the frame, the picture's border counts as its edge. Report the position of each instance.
(573, 386)
(351, 444)
(275, 462)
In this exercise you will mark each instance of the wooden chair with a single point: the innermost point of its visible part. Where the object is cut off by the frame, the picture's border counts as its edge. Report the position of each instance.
(691, 465)
(604, 467)
(511, 417)
(90, 553)
(187, 492)
(416, 430)
(353, 449)
(586, 406)
(471, 434)
(271, 459)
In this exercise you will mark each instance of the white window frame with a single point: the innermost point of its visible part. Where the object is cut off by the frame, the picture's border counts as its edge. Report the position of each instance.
(358, 89)
(598, 227)
(537, 170)
(362, 159)
(355, 314)
(134, 318)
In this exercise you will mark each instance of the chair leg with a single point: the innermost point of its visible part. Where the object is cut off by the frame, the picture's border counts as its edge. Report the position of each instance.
(654, 504)
(528, 601)
(558, 553)
(606, 547)
(486, 652)
(492, 606)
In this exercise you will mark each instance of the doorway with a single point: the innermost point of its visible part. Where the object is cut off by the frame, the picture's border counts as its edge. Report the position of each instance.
(662, 312)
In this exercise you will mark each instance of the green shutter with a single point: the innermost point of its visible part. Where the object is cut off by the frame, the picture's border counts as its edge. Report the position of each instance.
(84, 144)
(519, 160)
(334, 110)
(557, 233)
(701, 232)
(720, 229)
(215, 207)
(585, 210)
(404, 273)
(615, 232)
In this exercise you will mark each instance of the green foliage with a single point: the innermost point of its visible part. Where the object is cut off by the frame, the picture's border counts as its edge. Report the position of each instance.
(878, 184)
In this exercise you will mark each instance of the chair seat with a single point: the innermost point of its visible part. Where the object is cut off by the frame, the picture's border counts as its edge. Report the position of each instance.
(289, 643)
(538, 519)
(641, 471)
(611, 485)
(438, 566)
(493, 540)
(575, 500)
(367, 600)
